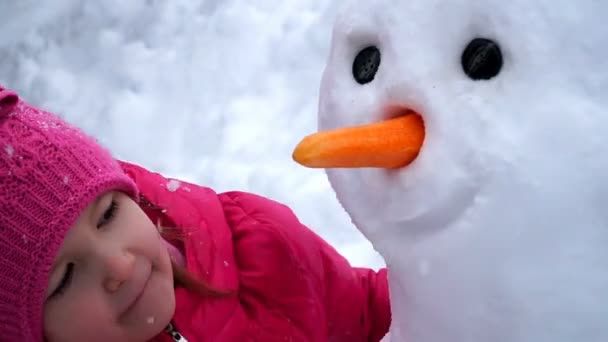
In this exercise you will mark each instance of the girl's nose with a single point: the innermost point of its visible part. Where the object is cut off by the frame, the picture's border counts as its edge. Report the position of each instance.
(118, 269)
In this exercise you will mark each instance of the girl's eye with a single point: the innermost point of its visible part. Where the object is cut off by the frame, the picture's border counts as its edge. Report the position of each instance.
(108, 215)
(65, 281)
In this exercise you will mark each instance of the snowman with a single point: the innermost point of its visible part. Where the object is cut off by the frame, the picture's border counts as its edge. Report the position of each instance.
(468, 141)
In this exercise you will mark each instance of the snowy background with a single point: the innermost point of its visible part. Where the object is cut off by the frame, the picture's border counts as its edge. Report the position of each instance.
(213, 92)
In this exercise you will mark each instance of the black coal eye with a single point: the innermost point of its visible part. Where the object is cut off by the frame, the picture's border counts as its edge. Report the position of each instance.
(481, 59)
(366, 64)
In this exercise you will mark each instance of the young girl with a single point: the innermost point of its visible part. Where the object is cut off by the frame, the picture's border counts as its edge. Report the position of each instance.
(96, 250)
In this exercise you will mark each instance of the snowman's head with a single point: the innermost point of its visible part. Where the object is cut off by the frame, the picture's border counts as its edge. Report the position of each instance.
(509, 91)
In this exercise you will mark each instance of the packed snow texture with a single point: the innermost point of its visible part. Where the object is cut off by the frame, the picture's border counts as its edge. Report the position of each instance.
(499, 230)
(212, 92)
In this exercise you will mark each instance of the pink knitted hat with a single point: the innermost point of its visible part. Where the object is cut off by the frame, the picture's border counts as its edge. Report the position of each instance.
(49, 172)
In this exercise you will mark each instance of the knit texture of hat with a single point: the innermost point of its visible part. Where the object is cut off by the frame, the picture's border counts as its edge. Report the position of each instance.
(49, 173)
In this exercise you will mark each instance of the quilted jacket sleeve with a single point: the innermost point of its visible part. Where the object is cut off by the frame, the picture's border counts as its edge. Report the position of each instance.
(294, 284)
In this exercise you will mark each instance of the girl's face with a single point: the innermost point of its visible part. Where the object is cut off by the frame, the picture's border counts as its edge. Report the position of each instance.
(112, 278)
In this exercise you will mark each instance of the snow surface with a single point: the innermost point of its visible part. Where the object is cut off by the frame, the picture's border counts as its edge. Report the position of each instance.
(212, 92)
(498, 231)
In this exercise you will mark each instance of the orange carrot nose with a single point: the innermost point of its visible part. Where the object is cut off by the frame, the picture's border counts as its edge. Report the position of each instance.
(386, 144)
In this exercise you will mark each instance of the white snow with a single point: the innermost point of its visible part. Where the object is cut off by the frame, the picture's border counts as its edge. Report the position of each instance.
(173, 185)
(498, 231)
(9, 149)
(212, 92)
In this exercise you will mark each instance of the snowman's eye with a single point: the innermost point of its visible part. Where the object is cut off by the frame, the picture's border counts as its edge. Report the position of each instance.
(481, 59)
(366, 64)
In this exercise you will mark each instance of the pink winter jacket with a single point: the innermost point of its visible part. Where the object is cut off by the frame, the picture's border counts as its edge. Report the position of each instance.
(289, 284)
